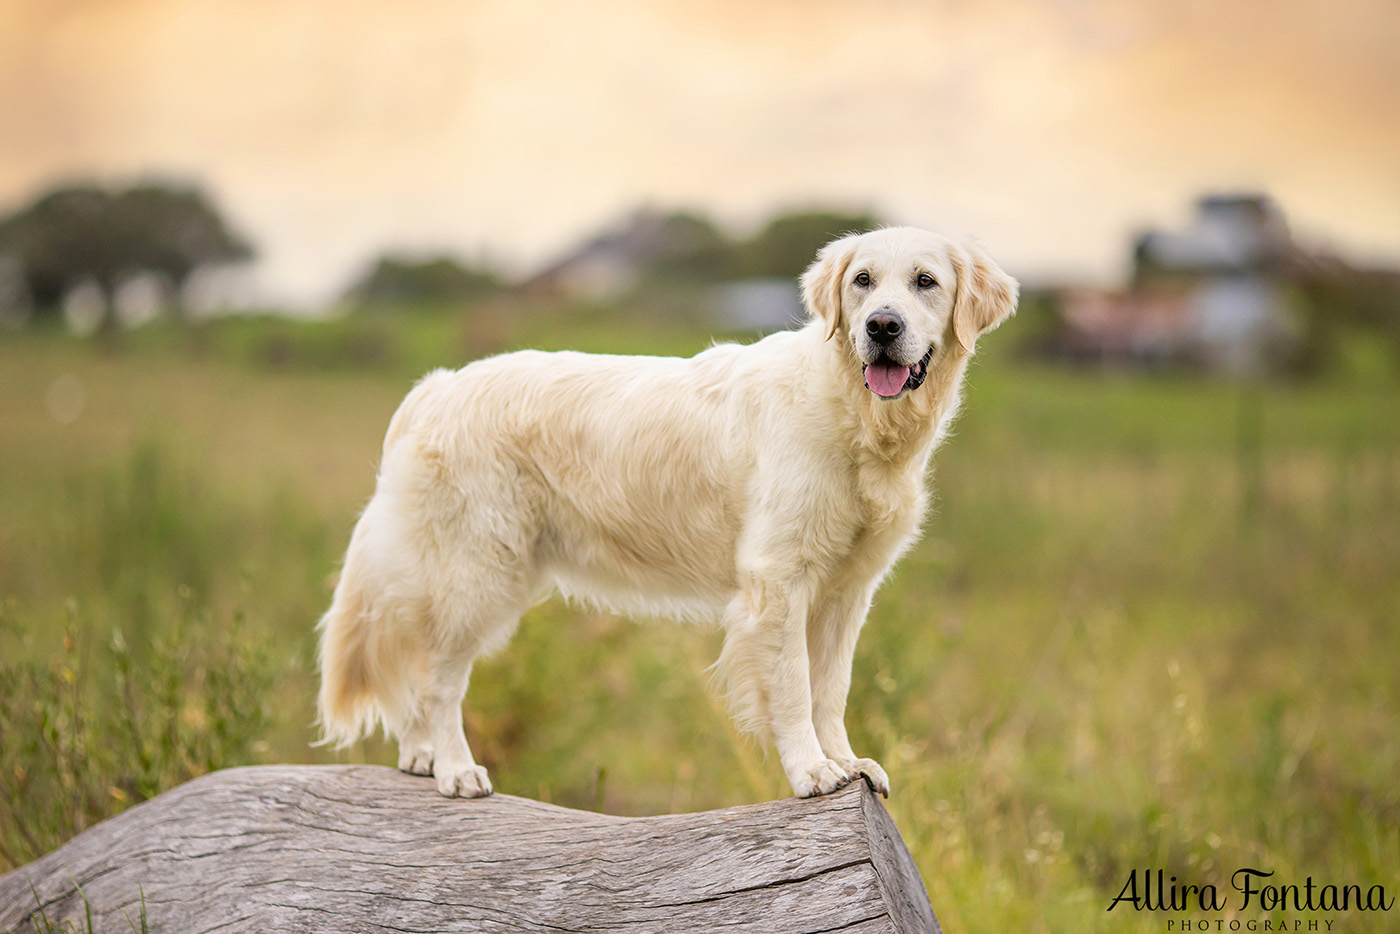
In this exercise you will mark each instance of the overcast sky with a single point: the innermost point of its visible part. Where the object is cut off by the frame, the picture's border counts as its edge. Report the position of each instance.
(1051, 129)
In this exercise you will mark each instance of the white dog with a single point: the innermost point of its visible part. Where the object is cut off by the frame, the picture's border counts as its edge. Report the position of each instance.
(771, 486)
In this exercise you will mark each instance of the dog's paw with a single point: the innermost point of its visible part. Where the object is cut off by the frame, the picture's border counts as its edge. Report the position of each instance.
(466, 782)
(821, 778)
(416, 761)
(874, 774)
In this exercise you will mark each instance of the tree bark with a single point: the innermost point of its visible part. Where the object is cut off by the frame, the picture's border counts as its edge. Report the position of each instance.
(364, 848)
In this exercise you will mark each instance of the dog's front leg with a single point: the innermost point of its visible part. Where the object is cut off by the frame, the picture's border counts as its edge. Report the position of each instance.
(809, 770)
(766, 674)
(831, 639)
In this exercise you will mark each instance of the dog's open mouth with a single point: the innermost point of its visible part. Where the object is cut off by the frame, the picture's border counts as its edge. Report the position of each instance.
(887, 379)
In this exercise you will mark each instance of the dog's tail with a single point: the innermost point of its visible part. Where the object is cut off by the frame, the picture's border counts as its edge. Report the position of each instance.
(366, 661)
(346, 709)
(372, 652)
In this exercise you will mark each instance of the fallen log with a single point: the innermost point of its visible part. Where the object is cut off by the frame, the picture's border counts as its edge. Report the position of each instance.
(364, 848)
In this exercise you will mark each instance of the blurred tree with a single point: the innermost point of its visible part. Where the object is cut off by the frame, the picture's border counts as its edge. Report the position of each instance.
(1338, 298)
(83, 233)
(786, 246)
(681, 246)
(174, 231)
(396, 281)
(61, 239)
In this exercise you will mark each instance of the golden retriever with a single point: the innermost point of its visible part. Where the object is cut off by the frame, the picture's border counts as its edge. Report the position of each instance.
(770, 486)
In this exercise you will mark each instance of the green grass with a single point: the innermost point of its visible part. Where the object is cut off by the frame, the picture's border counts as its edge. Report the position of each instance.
(1152, 622)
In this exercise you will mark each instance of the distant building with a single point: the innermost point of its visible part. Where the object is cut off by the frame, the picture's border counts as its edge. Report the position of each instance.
(1231, 235)
(680, 252)
(1214, 294)
(604, 269)
(768, 304)
(648, 245)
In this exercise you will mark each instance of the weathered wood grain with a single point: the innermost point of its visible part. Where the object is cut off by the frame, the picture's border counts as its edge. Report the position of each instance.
(362, 848)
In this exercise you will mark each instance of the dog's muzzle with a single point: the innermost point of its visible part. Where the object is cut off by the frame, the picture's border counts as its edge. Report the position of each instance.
(887, 379)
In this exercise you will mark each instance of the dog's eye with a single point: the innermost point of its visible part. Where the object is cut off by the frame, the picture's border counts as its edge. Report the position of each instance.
(863, 279)
(926, 281)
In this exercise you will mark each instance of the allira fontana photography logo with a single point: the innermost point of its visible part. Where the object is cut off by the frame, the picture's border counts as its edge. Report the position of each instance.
(1254, 901)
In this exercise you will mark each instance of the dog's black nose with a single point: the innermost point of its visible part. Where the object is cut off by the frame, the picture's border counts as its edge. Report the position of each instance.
(883, 327)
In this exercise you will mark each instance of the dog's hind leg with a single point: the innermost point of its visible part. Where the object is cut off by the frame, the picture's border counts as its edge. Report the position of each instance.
(476, 617)
(416, 748)
(435, 742)
(456, 772)
(474, 536)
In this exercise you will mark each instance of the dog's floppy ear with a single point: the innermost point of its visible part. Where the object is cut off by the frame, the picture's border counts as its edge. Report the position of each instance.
(986, 296)
(821, 283)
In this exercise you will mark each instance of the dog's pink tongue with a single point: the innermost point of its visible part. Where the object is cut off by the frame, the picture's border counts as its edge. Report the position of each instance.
(886, 379)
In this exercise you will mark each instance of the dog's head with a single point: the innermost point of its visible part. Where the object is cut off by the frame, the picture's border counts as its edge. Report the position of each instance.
(898, 298)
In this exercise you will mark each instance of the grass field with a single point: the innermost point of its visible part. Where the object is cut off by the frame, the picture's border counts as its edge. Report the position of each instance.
(1152, 622)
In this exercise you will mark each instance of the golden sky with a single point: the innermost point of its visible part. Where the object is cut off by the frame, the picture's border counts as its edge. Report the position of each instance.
(1051, 129)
